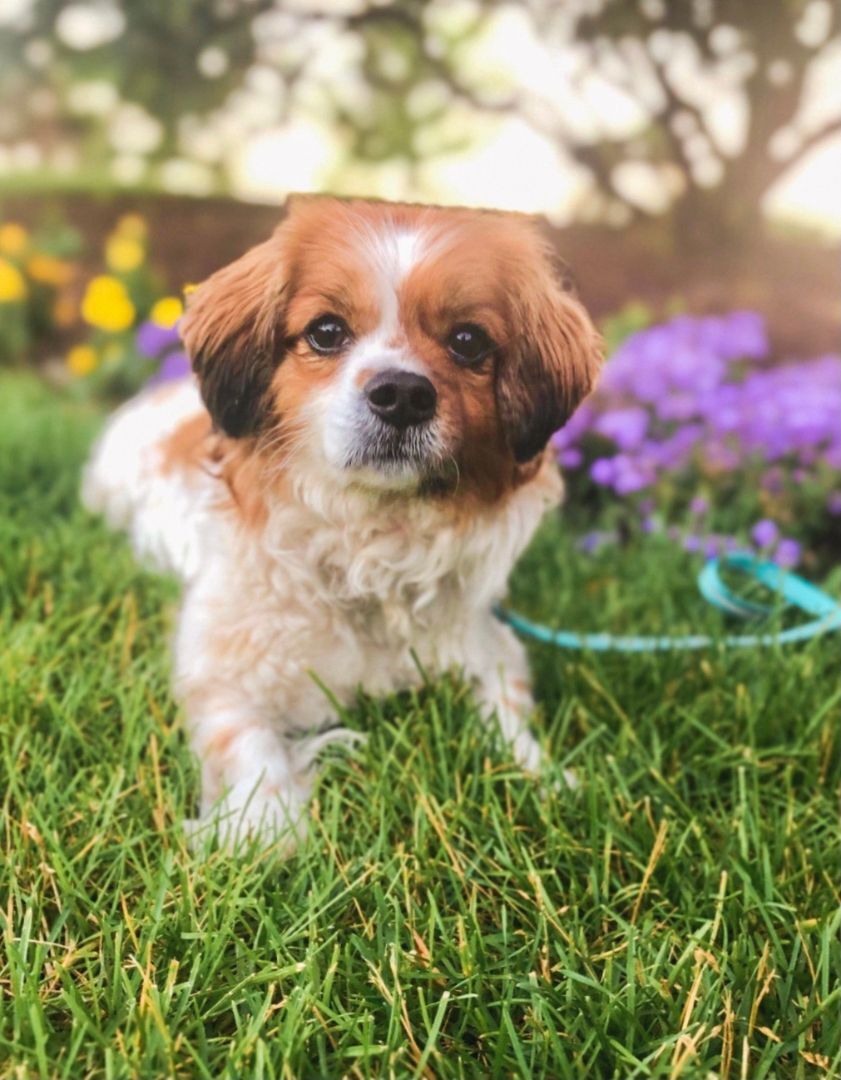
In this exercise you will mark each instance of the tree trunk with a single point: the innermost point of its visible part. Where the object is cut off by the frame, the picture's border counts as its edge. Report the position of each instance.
(727, 217)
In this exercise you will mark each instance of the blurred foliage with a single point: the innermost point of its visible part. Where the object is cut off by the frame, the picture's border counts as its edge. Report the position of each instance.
(135, 87)
(147, 51)
(634, 316)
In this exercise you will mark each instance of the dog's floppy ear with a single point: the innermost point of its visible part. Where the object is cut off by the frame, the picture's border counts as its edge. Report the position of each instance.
(550, 365)
(233, 332)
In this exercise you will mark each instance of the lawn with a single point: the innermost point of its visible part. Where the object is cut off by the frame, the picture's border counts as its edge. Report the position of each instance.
(677, 915)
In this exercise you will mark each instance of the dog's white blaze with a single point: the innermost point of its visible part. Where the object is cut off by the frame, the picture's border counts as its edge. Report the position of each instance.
(410, 248)
(393, 254)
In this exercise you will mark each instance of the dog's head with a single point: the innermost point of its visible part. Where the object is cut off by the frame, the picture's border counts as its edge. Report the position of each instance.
(399, 346)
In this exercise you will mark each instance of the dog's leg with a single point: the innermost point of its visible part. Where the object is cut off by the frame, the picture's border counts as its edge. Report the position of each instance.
(502, 683)
(251, 788)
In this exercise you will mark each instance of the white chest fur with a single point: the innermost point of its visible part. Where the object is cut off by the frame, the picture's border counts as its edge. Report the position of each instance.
(333, 588)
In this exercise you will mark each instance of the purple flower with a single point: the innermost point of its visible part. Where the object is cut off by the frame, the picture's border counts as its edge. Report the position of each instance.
(745, 336)
(152, 340)
(570, 459)
(625, 427)
(677, 406)
(578, 424)
(630, 474)
(592, 541)
(691, 542)
(833, 503)
(176, 365)
(788, 553)
(765, 533)
(673, 452)
(698, 505)
(603, 471)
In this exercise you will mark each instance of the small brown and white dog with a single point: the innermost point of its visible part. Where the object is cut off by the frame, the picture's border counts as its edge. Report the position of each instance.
(347, 482)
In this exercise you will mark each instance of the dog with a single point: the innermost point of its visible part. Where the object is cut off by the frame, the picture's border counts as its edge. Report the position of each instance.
(346, 481)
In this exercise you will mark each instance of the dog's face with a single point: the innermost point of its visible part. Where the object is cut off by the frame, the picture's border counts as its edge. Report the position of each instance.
(398, 346)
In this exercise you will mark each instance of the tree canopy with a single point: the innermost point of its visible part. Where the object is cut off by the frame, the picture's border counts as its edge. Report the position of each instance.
(693, 107)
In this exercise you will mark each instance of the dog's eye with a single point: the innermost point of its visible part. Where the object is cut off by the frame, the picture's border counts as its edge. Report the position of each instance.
(327, 334)
(468, 343)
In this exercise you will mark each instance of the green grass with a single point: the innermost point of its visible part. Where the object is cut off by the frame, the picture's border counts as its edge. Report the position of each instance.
(676, 916)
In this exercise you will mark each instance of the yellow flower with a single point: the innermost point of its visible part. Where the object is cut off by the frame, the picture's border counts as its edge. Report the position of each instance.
(12, 284)
(190, 287)
(166, 312)
(123, 253)
(132, 226)
(107, 305)
(13, 238)
(81, 360)
(49, 270)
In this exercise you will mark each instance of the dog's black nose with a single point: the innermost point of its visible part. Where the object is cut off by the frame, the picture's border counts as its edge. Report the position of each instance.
(401, 398)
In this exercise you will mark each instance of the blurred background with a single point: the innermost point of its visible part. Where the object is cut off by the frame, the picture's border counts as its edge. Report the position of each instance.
(686, 156)
(668, 143)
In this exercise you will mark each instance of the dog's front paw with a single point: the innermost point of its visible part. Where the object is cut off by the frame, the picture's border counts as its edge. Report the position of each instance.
(263, 815)
(526, 751)
(528, 754)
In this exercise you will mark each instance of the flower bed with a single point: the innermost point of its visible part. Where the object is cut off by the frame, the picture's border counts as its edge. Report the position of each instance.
(49, 306)
(691, 415)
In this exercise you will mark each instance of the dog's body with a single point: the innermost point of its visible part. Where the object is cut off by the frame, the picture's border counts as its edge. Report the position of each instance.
(344, 495)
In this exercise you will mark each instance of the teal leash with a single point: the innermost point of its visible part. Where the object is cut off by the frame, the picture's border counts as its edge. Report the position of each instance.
(793, 590)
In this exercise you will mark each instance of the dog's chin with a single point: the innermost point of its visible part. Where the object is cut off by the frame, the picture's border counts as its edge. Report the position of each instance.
(376, 478)
(387, 472)
(395, 461)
